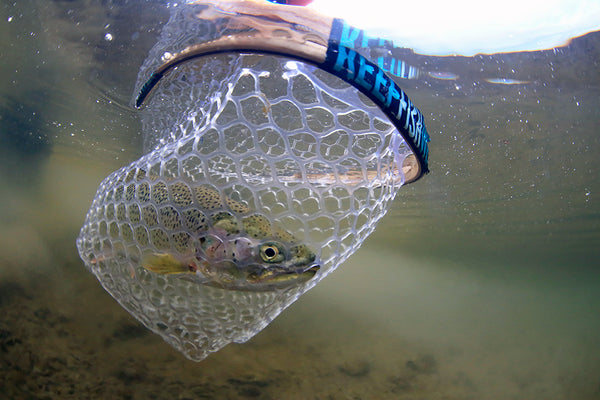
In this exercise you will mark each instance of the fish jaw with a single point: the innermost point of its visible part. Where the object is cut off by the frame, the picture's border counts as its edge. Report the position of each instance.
(252, 278)
(272, 279)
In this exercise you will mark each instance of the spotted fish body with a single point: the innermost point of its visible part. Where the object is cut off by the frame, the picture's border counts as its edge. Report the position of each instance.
(225, 244)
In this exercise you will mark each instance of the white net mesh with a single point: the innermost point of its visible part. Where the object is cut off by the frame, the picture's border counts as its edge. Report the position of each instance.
(249, 149)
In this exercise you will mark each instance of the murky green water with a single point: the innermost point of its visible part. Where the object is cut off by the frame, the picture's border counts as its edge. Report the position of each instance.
(483, 281)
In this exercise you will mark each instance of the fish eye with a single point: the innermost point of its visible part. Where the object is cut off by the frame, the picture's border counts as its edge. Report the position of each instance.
(271, 252)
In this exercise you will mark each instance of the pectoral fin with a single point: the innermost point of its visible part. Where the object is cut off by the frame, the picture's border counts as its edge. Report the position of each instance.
(165, 263)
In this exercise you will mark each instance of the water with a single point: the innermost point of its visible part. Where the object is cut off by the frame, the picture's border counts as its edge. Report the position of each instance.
(482, 282)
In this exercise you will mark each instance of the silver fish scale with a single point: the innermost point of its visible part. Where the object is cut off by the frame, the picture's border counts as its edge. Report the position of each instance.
(272, 136)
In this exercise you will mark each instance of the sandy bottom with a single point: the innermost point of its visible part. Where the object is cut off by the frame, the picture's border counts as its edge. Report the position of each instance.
(63, 337)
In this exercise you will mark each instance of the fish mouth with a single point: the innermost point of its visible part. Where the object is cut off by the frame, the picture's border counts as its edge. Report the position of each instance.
(259, 280)
(278, 278)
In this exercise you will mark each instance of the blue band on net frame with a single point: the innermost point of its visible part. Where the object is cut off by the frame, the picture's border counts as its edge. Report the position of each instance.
(331, 56)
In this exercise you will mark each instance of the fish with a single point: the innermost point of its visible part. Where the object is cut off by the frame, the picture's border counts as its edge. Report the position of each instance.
(230, 247)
